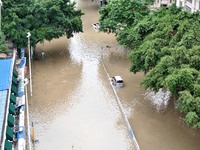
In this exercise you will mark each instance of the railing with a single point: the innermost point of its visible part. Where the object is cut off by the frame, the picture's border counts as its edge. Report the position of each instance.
(121, 108)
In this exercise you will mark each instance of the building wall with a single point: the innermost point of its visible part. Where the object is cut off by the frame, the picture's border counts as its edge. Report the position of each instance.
(165, 3)
(189, 5)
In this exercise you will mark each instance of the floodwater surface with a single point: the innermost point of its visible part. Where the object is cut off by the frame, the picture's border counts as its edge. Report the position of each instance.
(73, 105)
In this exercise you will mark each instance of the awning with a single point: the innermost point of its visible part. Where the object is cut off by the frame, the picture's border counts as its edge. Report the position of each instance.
(14, 81)
(14, 89)
(15, 73)
(9, 133)
(12, 98)
(12, 109)
(8, 145)
(11, 120)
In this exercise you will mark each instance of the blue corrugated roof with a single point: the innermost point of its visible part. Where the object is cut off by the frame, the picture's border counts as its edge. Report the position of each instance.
(3, 97)
(5, 73)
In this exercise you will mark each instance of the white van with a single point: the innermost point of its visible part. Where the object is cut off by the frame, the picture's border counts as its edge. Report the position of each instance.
(117, 81)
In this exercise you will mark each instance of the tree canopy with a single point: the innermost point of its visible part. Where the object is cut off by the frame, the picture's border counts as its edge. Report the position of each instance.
(165, 45)
(3, 46)
(45, 20)
(120, 14)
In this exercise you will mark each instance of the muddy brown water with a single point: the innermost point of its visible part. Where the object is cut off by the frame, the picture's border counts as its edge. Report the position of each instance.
(73, 106)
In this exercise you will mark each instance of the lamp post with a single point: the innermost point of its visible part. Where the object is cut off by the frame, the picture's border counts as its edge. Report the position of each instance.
(29, 55)
(1, 4)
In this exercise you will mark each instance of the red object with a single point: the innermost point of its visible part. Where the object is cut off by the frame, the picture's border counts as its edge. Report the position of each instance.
(3, 55)
(25, 70)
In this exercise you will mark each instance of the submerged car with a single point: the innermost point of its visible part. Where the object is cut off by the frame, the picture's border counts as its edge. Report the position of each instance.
(96, 26)
(117, 81)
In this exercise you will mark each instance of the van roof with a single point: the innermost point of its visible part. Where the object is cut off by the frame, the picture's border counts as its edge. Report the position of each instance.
(118, 78)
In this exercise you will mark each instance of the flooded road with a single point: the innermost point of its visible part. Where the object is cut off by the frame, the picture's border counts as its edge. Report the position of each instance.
(73, 105)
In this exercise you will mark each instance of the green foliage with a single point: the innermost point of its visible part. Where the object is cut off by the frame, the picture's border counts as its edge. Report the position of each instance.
(185, 100)
(165, 46)
(155, 77)
(136, 34)
(194, 60)
(191, 107)
(196, 89)
(3, 46)
(163, 32)
(121, 14)
(192, 119)
(180, 79)
(44, 19)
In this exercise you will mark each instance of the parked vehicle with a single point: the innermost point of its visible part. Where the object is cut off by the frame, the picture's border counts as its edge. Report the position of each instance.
(117, 81)
(96, 26)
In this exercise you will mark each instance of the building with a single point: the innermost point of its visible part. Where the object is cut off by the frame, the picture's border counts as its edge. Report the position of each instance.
(161, 3)
(7, 108)
(189, 5)
(12, 102)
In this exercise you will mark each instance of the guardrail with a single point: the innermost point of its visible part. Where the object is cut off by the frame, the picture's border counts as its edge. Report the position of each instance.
(121, 108)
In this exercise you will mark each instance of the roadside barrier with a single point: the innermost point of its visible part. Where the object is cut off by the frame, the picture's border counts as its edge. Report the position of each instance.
(121, 108)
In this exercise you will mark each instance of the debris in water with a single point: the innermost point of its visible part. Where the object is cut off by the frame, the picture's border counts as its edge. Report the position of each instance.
(160, 99)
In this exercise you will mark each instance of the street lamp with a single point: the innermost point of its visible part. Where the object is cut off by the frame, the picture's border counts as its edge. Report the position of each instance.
(1, 4)
(29, 55)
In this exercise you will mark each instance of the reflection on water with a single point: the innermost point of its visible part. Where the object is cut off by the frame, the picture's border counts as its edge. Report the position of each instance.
(73, 101)
(89, 117)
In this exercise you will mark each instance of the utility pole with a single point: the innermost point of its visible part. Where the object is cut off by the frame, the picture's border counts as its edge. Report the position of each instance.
(29, 54)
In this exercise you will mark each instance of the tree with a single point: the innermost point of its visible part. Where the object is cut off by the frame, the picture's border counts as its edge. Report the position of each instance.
(180, 74)
(170, 56)
(44, 19)
(163, 33)
(190, 105)
(3, 46)
(120, 14)
(165, 45)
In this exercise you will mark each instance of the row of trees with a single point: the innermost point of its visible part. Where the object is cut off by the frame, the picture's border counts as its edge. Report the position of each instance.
(44, 19)
(165, 45)
(3, 45)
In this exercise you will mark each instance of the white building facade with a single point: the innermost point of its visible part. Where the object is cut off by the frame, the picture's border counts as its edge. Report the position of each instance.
(189, 5)
(162, 3)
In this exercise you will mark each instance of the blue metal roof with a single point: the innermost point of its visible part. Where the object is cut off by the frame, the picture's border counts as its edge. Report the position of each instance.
(3, 98)
(5, 73)
(5, 79)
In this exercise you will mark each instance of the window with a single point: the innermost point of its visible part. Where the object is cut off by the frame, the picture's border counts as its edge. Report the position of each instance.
(190, 1)
(180, 3)
(188, 8)
(199, 5)
(163, 5)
